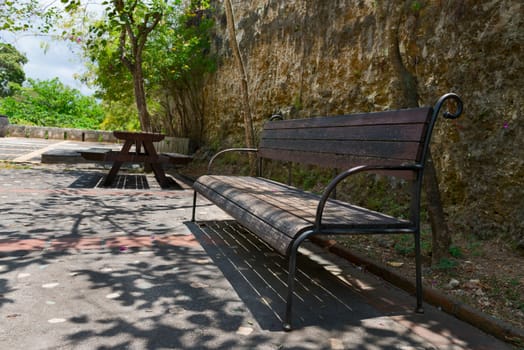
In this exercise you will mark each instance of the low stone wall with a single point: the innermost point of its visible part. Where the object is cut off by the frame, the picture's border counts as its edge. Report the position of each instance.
(169, 144)
(60, 133)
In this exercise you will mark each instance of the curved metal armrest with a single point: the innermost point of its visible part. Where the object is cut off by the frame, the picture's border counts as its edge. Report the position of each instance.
(447, 114)
(333, 184)
(226, 151)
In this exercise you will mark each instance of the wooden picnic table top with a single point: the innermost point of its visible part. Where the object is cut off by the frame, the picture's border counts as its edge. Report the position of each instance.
(138, 136)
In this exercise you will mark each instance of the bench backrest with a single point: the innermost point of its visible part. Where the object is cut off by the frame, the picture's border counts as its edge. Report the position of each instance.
(388, 138)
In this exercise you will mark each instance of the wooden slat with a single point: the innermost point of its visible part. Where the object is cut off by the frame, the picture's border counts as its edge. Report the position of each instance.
(406, 116)
(374, 149)
(397, 132)
(326, 160)
(337, 161)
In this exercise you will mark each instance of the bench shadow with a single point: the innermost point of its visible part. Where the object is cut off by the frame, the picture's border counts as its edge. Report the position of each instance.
(259, 276)
(126, 181)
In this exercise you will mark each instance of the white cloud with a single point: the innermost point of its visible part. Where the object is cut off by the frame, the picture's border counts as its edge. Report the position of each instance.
(55, 61)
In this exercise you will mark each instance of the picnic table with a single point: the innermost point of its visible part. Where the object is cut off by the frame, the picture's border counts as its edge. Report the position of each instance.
(144, 152)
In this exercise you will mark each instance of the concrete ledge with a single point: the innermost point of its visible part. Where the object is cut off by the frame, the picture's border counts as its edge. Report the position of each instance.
(60, 133)
(62, 156)
(486, 323)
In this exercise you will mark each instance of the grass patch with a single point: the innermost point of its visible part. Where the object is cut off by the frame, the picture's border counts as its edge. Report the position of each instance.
(405, 244)
(455, 251)
(446, 264)
(13, 166)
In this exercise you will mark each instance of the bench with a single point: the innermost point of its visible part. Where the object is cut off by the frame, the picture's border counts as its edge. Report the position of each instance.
(395, 143)
(94, 154)
(107, 155)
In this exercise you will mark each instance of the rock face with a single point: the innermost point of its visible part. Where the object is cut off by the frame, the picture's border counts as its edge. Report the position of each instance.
(309, 57)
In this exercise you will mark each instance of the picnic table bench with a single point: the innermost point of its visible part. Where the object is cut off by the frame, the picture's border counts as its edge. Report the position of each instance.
(144, 152)
(394, 143)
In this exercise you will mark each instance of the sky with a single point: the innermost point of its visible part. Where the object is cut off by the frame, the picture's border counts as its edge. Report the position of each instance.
(57, 60)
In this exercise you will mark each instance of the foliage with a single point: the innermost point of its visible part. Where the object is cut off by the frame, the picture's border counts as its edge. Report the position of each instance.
(25, 15)
(11, 72)
(404, 244)
(179, 49)
(171, 59)
(446, 264)
(455, 251)
(120, 115)
(50, 103)
(120, 38)
(179, 62)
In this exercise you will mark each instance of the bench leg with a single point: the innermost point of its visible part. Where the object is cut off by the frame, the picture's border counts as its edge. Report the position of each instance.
(290, 289)
(194, 206)
(291, 279)
(418, 277)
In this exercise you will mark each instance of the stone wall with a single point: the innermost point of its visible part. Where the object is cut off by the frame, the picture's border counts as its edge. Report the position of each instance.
(309, 57)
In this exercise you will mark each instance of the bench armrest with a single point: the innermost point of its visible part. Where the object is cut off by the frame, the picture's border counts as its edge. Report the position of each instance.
(358, 169)
(227, 151)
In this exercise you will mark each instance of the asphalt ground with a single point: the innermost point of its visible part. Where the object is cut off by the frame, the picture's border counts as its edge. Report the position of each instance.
(86, 267)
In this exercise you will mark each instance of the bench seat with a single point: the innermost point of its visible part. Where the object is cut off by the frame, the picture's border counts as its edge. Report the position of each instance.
(108, 155)
(282, 212)
(175, 158)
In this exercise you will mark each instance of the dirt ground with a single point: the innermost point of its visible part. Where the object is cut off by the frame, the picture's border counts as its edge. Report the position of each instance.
(486, 275)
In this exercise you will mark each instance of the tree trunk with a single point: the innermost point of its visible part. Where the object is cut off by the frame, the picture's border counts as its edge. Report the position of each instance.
(137, 43)
(141, 104)
(140, 98)
(441, 236)
(246, 112)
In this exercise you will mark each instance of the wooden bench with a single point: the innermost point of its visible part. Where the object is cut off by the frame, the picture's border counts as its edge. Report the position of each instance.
(391, 142)
(107, 155)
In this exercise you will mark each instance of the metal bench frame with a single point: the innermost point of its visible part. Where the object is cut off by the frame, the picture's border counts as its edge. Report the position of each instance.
(365, 162)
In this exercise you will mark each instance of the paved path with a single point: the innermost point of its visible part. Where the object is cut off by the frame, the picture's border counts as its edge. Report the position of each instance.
(83, 267)
(18, 149)
(23, 149)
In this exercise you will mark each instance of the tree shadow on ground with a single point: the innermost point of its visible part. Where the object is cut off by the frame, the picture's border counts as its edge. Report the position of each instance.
(159, 289)
(259, 275)
(326, 295)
